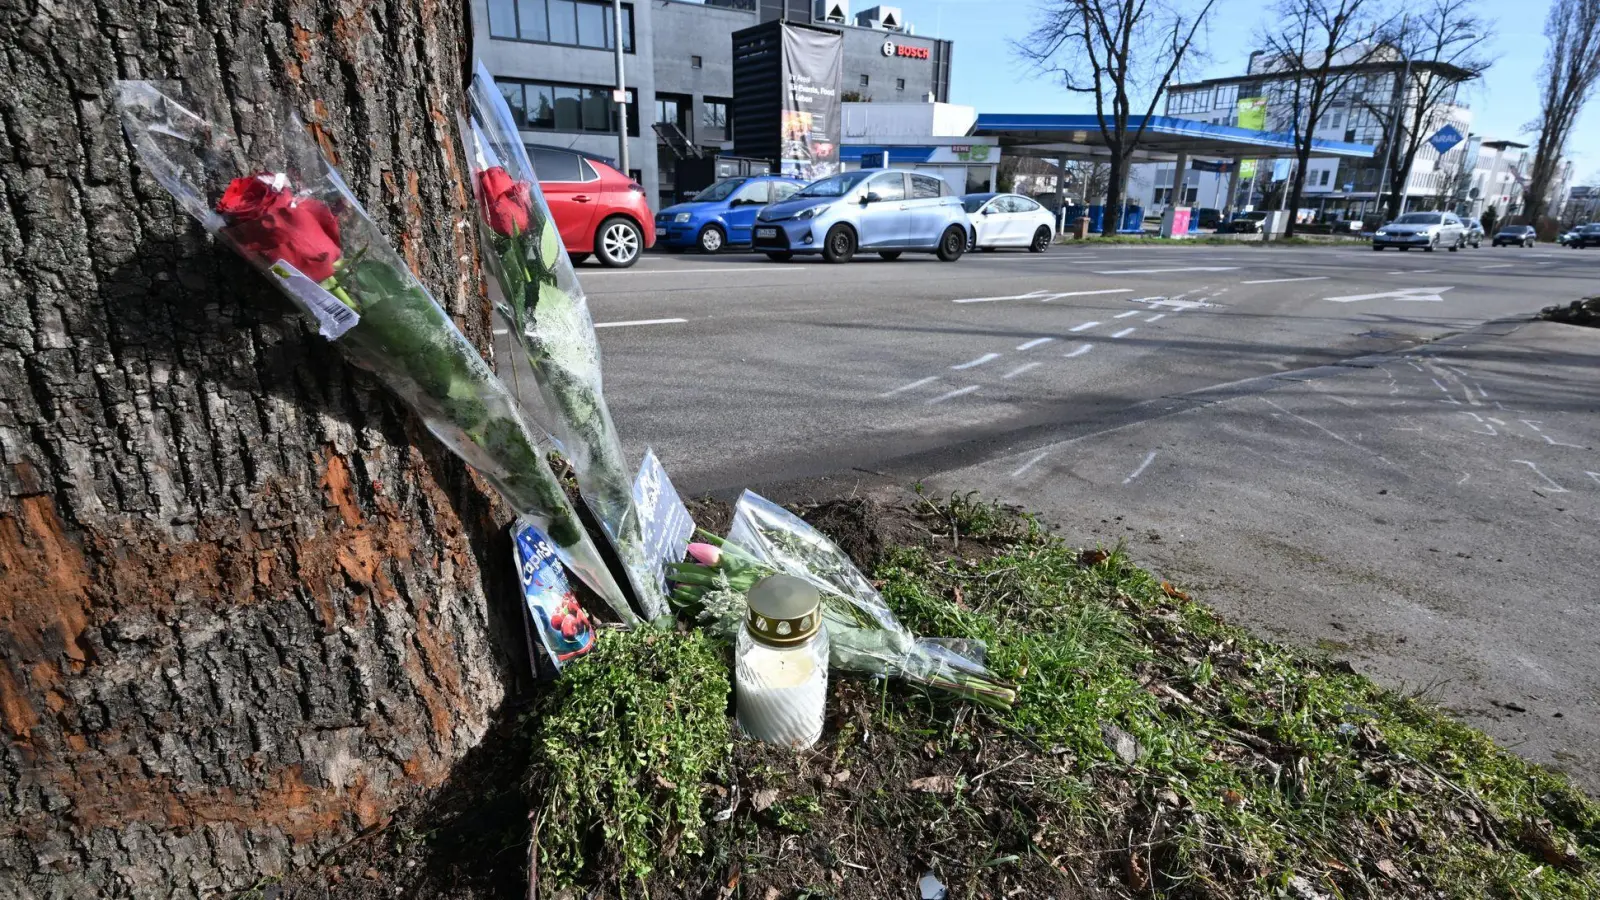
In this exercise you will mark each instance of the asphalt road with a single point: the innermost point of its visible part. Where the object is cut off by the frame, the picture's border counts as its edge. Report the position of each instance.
(1334, 445)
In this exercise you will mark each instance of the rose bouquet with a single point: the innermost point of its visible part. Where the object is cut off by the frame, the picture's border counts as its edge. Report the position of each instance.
(863, 635)
(541, 304)
(282, 207)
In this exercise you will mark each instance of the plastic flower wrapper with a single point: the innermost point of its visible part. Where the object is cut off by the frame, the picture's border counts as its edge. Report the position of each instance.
(540, 302)
(282, 207)
(863, 635)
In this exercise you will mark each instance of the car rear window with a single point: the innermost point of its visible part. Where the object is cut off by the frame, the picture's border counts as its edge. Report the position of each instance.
(556, 165)
(924, 187)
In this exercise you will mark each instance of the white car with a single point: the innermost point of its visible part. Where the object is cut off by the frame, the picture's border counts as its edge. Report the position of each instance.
(1009, 220)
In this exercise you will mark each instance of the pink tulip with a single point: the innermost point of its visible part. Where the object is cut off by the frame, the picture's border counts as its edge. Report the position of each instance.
(705, 554)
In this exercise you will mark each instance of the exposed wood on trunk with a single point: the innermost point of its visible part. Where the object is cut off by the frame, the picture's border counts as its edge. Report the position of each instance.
(244, 596)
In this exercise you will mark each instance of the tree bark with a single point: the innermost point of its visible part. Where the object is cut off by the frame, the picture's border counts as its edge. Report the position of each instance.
(244, 597)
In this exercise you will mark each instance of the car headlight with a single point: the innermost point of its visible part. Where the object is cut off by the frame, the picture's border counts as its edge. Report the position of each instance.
(1382, 233)
(680, 218)
(809, 213)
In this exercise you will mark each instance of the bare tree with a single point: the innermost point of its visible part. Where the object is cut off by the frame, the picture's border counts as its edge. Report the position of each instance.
(1443, 45)
(1571, 69)
(1122, 52)
(1318, 46)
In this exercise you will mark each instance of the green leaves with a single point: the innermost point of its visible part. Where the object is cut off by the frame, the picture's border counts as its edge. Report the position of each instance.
(549, 246)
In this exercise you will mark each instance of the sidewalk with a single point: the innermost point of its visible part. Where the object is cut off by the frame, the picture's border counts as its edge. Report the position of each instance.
(1433, 517)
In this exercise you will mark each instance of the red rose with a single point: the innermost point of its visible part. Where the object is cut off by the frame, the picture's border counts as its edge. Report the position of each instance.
(505, 201)
(266, 220)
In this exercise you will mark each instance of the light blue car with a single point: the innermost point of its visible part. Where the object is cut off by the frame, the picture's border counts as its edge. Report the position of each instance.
(888, 211)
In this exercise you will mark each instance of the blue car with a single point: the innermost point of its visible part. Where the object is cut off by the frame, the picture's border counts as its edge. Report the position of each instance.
(889, 211)
(722, 214)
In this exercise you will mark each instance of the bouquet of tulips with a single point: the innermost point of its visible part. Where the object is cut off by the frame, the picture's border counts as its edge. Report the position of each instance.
(863, 635)
(282, 207)
(539, 301)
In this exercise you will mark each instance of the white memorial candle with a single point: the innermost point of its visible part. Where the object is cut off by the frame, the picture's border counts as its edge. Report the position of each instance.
(781, 664)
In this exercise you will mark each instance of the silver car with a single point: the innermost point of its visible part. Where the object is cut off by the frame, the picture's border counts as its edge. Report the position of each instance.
(1428, 230)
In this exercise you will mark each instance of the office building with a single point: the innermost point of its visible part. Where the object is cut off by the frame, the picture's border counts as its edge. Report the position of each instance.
(554, 60)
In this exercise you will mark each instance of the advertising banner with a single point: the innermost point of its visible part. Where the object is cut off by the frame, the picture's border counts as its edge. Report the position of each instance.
(1252, 113)
(813, 78)
(1247, 169)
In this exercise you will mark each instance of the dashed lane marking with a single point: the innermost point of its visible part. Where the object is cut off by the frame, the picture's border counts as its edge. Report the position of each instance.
(974, 363)
(910, 387)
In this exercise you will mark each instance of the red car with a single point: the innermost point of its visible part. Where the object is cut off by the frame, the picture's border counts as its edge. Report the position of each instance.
(598, 210)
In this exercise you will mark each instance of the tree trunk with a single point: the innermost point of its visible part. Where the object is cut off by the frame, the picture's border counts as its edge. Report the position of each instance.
(1116, 190)
(243, 594)
(1296, 190)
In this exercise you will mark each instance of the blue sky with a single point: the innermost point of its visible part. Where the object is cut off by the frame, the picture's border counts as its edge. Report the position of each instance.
(989, 76)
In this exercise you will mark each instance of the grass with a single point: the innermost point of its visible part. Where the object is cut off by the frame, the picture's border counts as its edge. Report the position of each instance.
(1153, 747)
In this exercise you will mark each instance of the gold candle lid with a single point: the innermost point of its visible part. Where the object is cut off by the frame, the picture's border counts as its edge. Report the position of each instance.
(784, 611)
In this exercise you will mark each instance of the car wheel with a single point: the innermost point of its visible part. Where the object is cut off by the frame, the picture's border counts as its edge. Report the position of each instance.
(1432, 245)
(711, 239)
(952, 244)
(1456, 246)
(618, 242)
(578, 259)
(779, 255)
(1041, 240)
(1527, 245)
(890, 255)
(840, 244)
(1376, 247)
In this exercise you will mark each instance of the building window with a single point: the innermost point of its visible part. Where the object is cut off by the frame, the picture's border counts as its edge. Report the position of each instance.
(714, 116)
(543, 106)
(899, 84)
(863, 81)
(696, 62)
(575, 23)
(677, 109)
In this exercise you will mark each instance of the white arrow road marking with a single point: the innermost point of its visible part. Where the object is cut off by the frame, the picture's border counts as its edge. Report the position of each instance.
(1158, 271)
(1553, 486)
(1044, 296)
(1080, 351)
(640, 322)
(955, 393)
(1424, 294)
(977, 362)
(1287, 280)
(912, 386)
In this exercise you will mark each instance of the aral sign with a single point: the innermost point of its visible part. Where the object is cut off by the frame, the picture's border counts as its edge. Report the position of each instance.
(890, 48)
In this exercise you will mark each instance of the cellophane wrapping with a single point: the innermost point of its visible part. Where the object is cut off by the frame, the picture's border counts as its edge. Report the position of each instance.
(281, 206)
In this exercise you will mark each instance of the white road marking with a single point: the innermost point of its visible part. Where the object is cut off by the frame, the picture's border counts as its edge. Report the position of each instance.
(1080, 351)
(1031, 463)
(1498, 266)
(1553, 486)
(1035, 343)
(912, 386)
(1464, 479)
(1020, 369)
(955, 393)
(1594, 475)
(1084, 327)
(1044, 296)
(1158, 271)
(499, 331)
(640, 322)
(1287, 280)
(1131, 312)
(1428, 294)
(1411, 272)
(1547, 438)
(1139, 471)
(1125, 332)
(1157, 317)
(977, 362)
(587, 271)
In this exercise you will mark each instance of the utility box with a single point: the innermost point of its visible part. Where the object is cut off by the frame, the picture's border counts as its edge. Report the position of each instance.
(698, 173)
(1175, 222)
(1080, 229)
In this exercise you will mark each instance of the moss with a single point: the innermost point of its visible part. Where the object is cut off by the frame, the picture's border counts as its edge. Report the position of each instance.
(622, 747)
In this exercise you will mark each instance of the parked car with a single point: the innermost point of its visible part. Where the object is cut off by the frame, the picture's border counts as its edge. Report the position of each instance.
(1428, 230)
(597, 209)
(890, 212)
(1587, 236)
(1568, 237)
(1008, 220)
(722, 214)
(1474, 233)
(1519, 235)
(1247, 222)
(1208, 218)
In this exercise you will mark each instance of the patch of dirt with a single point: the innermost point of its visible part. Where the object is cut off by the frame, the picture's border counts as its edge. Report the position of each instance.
(865, 527)
(715, 516)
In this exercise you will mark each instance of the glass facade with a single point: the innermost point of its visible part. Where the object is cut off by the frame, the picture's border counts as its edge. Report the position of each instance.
(573, 23)
(545, 106)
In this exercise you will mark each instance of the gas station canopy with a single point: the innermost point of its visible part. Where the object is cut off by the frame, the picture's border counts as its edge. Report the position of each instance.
(1165, 137)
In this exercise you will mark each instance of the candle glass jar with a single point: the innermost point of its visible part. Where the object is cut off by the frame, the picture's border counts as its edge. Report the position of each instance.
(781, 664)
